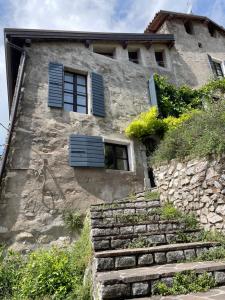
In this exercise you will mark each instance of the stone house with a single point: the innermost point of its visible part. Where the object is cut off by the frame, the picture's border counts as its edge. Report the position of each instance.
(71, 95)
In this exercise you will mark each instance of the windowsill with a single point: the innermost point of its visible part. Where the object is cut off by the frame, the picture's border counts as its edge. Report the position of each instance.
(120, 171)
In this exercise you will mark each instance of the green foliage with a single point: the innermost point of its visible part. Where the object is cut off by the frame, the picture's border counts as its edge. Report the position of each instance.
(11, 268)
(186, 282)
(170, 212)
(48, 274)
(147, 123)
(212, 236)
(140, 242)
(172, 100)
(202, 135)
(73, 220)
(151, 195)
(212, 254)
(166, 212)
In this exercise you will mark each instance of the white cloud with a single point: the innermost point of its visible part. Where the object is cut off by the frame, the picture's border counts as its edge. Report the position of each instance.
(86, 15)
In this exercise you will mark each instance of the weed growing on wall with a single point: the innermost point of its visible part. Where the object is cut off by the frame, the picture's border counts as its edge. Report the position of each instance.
(185, 283)
(73, 220)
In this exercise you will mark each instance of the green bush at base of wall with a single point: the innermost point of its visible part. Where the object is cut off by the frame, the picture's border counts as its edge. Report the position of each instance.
(48, 274)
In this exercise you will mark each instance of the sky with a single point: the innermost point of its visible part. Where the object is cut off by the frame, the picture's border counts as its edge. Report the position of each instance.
(88, 15)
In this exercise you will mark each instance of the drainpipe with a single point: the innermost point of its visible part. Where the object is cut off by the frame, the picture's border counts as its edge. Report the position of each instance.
(16, 98)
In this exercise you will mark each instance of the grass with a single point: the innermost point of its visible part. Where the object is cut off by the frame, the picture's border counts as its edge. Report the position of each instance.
(152, 195)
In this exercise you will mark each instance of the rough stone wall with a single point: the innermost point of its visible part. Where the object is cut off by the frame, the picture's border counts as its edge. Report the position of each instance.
(190, 62)
(39, 183)
(195, 186)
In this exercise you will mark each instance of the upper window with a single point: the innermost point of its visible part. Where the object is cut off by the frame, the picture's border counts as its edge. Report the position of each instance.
(75, 92)
(116, 157)
(189, 27)
(212, 30)
(133, 56)
(160, 58)
(217, 68)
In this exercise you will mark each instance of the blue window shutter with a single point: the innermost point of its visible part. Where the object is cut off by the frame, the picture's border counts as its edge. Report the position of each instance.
(55, 85)
(152, 91)
(86, 151)
(98, 100)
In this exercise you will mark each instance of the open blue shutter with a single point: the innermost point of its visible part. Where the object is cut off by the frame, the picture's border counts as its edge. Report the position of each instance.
(98, 100)
(55, 87)
(86, 151)
(152, 91)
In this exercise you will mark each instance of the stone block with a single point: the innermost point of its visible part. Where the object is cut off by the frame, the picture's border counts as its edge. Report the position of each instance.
(189, 254)
(219, 277)
(156, 239)
(175, 256)
(145, 259)
(126, 230)
(101, 245)
(119, 243)
(199, 251)
(139, 228)
(152, 227)
(160, 257)
(104, 263)
(120, 290)
(140, 289)
(125, 262)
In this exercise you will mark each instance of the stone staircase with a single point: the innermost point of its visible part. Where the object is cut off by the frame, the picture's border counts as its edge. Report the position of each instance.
(131, 253)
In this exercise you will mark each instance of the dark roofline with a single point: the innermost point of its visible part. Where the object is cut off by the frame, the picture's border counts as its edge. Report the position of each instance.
(163, 15)
(39, 35)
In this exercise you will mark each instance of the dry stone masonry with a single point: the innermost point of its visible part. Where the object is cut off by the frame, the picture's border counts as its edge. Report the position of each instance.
(195, 186)
(121, 271)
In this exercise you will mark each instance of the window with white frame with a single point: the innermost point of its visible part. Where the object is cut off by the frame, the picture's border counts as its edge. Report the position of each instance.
(217, 67)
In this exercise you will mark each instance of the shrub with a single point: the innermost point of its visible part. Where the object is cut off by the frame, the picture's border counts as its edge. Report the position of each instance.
(73, 220)
(57, 273)
(48, 274)
(186, 282)
(202, 135)
(172, 100)
(147, 123)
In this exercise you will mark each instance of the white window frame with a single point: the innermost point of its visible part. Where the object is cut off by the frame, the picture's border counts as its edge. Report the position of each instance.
(89, 88)
(221, 62)
(130, 151)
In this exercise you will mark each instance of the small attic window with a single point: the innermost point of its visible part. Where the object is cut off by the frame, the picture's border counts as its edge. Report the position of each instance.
(189, 27)
(109, 52)
(211, 30)
(160, 58)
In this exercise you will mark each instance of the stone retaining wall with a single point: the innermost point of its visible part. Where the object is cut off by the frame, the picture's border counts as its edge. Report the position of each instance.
(196, 185)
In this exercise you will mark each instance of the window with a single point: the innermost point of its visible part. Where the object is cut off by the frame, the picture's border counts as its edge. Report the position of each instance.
(75, 92)
(116, 157)
(217, 68)
(189, 27)
(133, 56)
(159, 56)
(106, 51)
(212, 30)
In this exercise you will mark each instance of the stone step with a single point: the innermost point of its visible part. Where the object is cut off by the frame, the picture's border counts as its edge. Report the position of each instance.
(118, 241)
(138, 227)
(124, 205)
(140, 282)
(140, 257)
